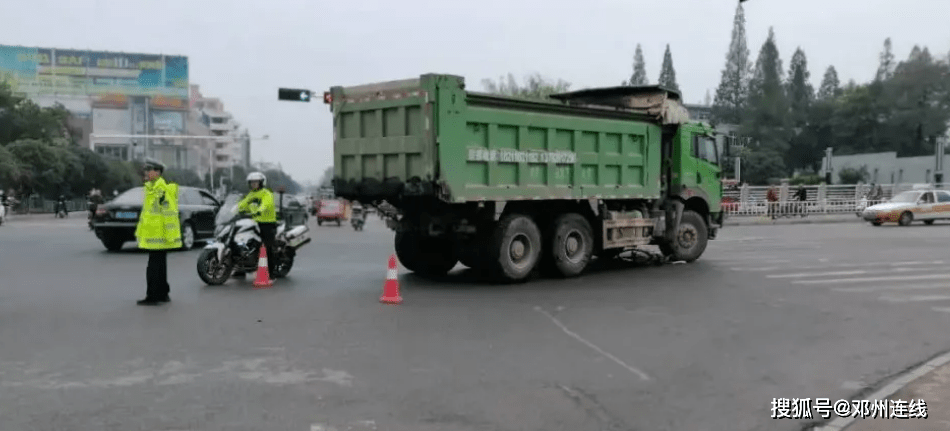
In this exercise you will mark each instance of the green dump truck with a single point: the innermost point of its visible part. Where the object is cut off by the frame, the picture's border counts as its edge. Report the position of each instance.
(506, 186)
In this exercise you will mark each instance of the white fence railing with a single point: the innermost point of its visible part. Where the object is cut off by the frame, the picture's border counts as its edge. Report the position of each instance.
(822, 199)
(796, 208)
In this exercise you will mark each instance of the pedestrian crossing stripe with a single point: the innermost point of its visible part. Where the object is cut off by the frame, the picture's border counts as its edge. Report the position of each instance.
(944, 276)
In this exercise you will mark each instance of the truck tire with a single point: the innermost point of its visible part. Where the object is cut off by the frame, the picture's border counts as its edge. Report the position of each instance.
(570, 245)
(430, 257)
(514, 249)
(471, 254)
(691, 238)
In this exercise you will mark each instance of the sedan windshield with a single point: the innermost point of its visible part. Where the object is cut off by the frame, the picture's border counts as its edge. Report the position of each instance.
(906, 197)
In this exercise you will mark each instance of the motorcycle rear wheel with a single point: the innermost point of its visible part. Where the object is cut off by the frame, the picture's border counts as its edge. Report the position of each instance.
(212, 272)
(283, 267)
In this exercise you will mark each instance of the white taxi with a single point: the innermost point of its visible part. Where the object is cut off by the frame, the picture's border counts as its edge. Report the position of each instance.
(913, 205)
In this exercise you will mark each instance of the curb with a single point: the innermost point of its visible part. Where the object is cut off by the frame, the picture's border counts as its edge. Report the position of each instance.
(891, 388)
(767, 222)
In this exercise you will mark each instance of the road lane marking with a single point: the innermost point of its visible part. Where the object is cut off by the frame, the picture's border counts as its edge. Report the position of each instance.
(914, 298)
(841, 265)
(641, 374)
(891, 287)
(866, 279)
(833, 273)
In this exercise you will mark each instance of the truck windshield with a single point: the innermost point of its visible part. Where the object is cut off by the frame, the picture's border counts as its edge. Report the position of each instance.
(704, 147)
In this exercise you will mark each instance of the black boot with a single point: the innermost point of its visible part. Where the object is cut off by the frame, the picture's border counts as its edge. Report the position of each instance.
(148, 302)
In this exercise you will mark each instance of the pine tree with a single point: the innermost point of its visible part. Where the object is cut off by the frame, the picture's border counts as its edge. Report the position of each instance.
(708, 100)
(830, 85)
(799, 89)
(667, 72)
(767, 109)
(733, 86)
(886, 68)
(639, 76)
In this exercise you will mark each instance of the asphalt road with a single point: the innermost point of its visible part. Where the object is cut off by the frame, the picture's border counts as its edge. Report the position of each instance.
(795, 311)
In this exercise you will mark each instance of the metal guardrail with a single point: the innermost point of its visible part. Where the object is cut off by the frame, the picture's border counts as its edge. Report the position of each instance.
(824, 199)
(795, 208)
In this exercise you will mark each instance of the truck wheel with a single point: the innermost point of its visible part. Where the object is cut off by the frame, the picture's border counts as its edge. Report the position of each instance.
(514, 248)
(691, 238)
(471, 254)
(571, 244)
(431, 257)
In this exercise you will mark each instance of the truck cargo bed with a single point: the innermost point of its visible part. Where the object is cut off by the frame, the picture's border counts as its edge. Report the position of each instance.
(428, 136)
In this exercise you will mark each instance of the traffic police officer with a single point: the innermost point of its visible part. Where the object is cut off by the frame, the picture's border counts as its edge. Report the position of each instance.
(259, 202)
(158, 231)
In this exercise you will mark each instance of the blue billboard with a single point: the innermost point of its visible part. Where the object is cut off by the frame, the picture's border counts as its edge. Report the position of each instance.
(37, 71)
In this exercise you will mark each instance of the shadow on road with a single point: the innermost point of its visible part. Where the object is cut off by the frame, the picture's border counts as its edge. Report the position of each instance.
(468, 278)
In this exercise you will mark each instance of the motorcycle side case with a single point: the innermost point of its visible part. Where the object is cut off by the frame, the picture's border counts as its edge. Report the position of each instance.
(297, 236)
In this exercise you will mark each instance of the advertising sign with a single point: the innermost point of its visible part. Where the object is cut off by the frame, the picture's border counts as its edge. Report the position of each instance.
(38, 71)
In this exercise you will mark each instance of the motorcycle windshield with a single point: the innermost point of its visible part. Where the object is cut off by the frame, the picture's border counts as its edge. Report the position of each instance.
(228, 209)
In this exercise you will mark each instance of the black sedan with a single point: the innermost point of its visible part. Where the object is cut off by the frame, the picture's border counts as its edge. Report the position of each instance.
(115, 221)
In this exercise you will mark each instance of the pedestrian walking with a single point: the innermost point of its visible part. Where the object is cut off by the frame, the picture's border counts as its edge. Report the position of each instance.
(158, 231)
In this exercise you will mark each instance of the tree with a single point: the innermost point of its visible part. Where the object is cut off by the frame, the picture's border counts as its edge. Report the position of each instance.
(639, 76)
(327, 179)
(667, 72)
(535, 87)
(733, 86)
(886, 68)
(918, 100)
(708, 100)
(803, 151)
(767, 114)
(830, 87)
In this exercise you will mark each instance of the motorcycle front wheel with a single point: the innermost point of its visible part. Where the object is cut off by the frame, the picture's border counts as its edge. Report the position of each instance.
(211, 271)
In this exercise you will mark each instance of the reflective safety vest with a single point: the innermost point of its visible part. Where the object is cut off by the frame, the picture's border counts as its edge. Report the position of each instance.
(260, 203)
(159, 227)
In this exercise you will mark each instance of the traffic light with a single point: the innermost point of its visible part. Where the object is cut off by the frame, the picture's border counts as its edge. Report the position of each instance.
(293, 94)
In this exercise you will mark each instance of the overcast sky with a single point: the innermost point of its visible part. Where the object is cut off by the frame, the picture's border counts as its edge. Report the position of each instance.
(242, 51)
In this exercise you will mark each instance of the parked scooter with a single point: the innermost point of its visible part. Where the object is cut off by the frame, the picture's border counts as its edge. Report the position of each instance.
(237, 243)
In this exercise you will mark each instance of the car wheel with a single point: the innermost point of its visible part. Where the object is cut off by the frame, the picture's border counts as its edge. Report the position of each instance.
(928, 222)
(906, 219)
(187, 236)
(112, 243)
(875, 223)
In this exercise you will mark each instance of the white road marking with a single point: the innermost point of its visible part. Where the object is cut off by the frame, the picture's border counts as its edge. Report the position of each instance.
(914, 298)
(641, 374)
(872, 279)
(891, 287)
(816, 274)
(834, 273)
(842, 265)
(943, 309)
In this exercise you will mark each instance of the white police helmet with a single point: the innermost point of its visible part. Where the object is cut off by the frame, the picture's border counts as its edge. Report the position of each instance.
(257, 176)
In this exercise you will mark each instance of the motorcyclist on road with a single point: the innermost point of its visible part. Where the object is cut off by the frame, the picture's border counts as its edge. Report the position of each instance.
(802, 195)
(259, 202)
(61, 205)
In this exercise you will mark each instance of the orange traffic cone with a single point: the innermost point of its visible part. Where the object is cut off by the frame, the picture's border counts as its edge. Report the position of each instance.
(391, 287)
(263, 278)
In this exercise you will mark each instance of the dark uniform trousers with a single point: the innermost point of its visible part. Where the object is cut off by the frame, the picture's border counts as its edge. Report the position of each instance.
(156, 275)
(268, 236)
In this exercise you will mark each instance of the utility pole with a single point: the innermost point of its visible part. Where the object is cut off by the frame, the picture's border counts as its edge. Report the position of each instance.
(828, 153)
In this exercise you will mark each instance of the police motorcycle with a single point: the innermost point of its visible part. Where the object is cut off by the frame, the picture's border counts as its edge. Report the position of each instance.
(237, 243)
(357, 218)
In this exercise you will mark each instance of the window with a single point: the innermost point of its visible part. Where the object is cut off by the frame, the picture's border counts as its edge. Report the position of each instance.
(208, 200)
(927, 198)
(943, 197)
(704, 147)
